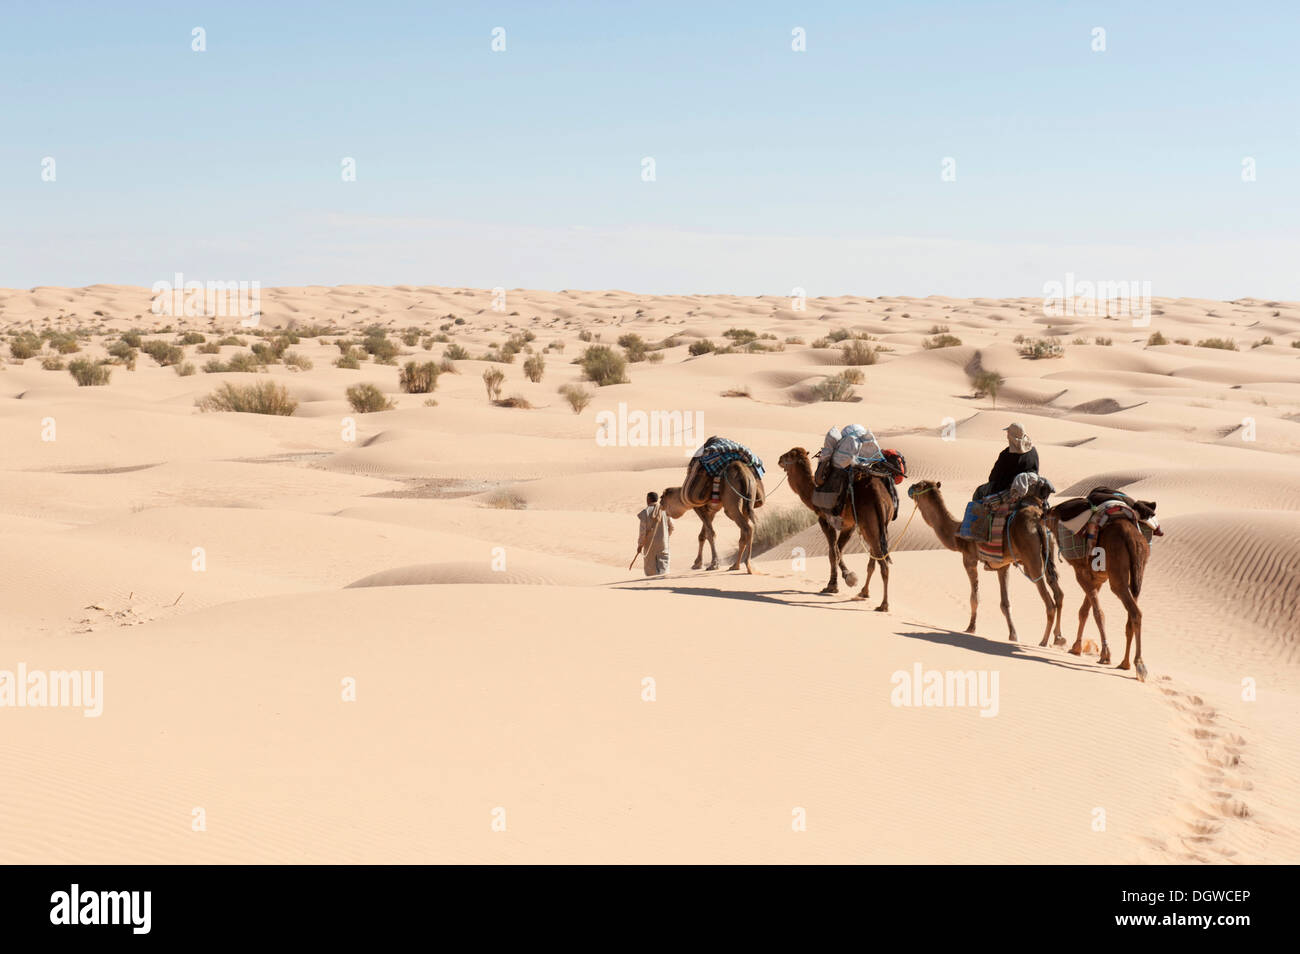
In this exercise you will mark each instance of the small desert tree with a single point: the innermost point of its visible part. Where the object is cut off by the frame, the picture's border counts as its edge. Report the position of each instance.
(577, 396)
(493, 378)
(534, 368)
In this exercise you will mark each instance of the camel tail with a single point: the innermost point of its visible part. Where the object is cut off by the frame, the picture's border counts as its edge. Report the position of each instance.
(1134, 565)
(1049, 565)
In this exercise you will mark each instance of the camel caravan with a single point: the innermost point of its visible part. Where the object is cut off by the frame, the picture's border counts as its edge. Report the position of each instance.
(1104, 536)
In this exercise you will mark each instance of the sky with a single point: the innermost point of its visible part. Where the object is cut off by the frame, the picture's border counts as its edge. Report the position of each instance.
(127, 156)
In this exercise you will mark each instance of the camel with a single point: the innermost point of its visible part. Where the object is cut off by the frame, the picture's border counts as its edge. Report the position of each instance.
(868, 509)
(1123, 560)
(742, 493)
(1030, 548)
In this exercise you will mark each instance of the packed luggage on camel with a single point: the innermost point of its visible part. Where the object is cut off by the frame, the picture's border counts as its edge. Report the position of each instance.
(722, 475)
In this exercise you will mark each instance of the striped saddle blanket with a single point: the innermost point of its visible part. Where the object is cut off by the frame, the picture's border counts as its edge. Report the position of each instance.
(718, 452)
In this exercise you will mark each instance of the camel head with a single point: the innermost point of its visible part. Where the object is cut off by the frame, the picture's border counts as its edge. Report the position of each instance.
(671, 501)
(795, 457)
(922, 487)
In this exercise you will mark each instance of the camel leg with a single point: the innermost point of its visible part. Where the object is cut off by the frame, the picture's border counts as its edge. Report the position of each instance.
(1053, 608)
(884, 579)
(972, 571)
(1006, 604)
(1133, 625)
(850, 578)
(1100, 618)
(699, 554)
(1059, 596)
(706, 517)
(836, 556)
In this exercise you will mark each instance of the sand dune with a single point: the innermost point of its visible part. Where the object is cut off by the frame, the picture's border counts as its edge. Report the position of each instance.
(466, 564)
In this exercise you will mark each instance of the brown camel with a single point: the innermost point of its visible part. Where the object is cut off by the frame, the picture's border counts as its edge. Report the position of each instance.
(1030, 549)
(1121, 561)
(741, 494)
(868, 509)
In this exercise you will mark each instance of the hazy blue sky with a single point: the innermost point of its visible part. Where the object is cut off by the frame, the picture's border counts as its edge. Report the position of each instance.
(774, 168)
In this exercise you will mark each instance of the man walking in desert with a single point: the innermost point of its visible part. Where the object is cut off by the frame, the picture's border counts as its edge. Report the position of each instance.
(653, 540)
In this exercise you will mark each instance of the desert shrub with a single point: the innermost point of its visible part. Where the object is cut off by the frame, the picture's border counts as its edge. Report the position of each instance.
(858, 352)
(941, 341)
(264, 397)
(987, 382)
(455, 352)
(834, 388)
(64, 343)
(1104, 342)
(230, 341)
(210, 347)
(89, 373)
(577, 396)
(1042, 348)
(853, 375)
(265, 353)
(292, 359)
(1079, 341)
(376, 343)
(740, 336)
(656, 357)
(418, 378)
(1157, 339)
(52, 363)
(934, 329)
(184, 369)
(493, 378)
(244, 361)
(633, 346)
(133, 339)
(163, 352)
(737, 392)
(776, 525)
(366, 398)
(124, 353)
(703, 346)
(24, 346)
(349, 360)
(215, 366)
(191, 338)
(411, 337)
(534, 368)
(1223, 344)
(1266, 340)
(603, 365)
(585, 335)
(447, 366)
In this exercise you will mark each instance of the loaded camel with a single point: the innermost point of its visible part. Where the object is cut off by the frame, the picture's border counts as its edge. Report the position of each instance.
(1121, 562)
(1030, 547)
(868, 508)
(741, 493)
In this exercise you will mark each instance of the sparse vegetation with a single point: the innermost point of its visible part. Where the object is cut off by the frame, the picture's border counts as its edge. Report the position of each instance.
(577, 396)
(987, 383)
(1223, 344)
(89, 373)
(1039, 348)
(505, 500)
(836, 387)
(493, 378)
(603, 365)
(774, 526)
(941, 341)
(299, 362)
(418, 378)
(163, 352)
(858, 352)
(184, 369)
(366, 399)
(516, 401)
(264, 397)
(702, 346)
(534, 368)
(455, 352)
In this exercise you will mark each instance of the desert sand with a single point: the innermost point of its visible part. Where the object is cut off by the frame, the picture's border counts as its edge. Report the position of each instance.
(463, 565)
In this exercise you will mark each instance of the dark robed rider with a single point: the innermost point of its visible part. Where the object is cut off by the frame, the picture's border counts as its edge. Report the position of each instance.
(1017, 458)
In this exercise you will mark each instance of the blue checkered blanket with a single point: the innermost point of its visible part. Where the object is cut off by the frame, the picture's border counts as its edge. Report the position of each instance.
(718, 452)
